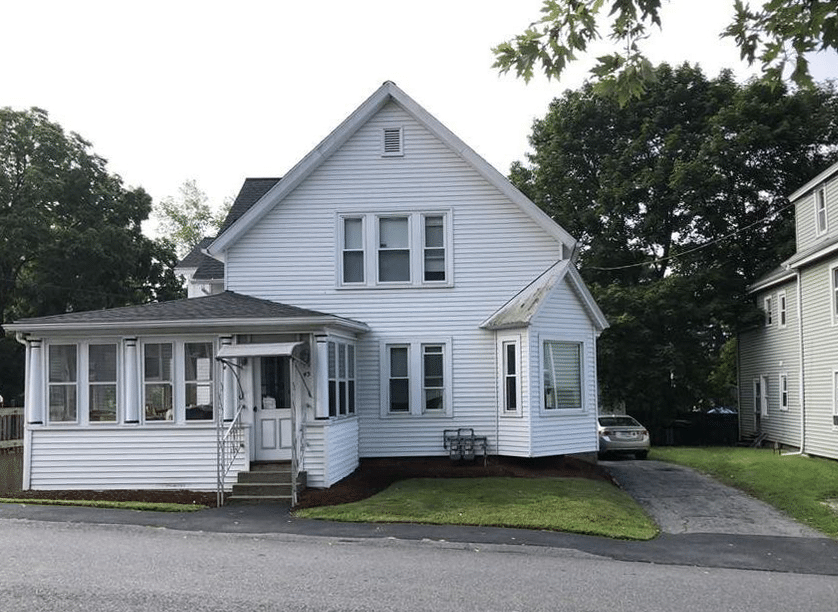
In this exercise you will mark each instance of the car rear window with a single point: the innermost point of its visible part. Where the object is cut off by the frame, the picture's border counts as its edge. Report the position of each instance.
(618, 421)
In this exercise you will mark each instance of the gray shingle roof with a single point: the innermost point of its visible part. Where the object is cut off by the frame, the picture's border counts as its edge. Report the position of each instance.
(196, 255)
(250, 193)
(221, 306)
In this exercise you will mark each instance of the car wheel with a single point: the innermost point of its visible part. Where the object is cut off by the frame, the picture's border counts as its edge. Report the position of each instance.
(642, 454)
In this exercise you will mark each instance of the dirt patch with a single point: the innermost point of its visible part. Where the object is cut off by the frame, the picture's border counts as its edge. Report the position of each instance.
(372, 476)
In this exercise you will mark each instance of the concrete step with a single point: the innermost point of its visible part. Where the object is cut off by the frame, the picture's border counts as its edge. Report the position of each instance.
(258, 499)
(264, 476)
(270, 466)
(261, 489)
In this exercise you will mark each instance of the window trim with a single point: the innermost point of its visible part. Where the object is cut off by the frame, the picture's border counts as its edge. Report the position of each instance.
(415, 375)
(119, 414)
(821, 207)
(783, 391)
(581, 344)
(392, 128)
(503, 342)
(782, 310)
(77, 384)
(343, 250)
(416, 248)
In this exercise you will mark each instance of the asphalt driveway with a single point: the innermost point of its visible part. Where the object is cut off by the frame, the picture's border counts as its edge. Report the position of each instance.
(682, 501)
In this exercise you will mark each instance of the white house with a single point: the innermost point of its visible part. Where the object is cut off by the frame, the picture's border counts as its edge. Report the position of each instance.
(788, 366)
(390, 287)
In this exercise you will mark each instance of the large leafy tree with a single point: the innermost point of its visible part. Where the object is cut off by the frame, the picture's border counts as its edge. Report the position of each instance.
(678, 200)
(70, 235)
(189, 218)
(779, 35)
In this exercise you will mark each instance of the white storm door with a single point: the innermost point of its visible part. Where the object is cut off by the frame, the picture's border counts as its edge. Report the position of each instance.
(272, 419)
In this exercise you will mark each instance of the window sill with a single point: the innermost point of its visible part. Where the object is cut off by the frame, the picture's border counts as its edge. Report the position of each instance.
(563, 412)
(365, 287)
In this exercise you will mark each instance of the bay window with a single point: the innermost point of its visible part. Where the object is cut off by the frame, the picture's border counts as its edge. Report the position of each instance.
(341, 376)
(562, 374)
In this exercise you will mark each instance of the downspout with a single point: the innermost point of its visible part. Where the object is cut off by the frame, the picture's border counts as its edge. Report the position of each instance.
(802, 400)
(26, 481)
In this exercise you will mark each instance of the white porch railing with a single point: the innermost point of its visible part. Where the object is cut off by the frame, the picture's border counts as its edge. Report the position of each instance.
(230, 444)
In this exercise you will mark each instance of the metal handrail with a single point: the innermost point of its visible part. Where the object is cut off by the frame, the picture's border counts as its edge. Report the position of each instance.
(230, 443)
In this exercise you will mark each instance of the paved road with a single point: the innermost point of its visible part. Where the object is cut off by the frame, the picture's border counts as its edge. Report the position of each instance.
(681, 500)
(69, 567)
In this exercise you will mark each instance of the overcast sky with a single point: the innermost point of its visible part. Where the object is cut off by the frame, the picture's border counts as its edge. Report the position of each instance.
(218, 91)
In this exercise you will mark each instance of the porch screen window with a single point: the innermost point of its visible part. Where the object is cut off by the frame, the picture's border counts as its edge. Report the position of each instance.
(341, 374)
(393, 250)
(198, 366)
(510, 376)
(562, 375)
(101, 378)
(62, 383)
(353, 250)
(433, 387)
(399, 382)
(434, 251)
(820, 209)
(157, 377)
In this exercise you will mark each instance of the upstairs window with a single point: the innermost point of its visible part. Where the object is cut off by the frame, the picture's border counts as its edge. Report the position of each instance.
(820, 210)
(402, 249)
(769, 311)
(781, 309)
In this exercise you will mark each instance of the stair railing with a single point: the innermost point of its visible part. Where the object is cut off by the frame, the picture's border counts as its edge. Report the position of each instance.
(230, 444)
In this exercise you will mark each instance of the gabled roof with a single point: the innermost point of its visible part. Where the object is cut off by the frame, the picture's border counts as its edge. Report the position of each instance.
(250, 193)
(196, 256)
(227, 309)
(520, 310)
(825, 175)
(388, 92)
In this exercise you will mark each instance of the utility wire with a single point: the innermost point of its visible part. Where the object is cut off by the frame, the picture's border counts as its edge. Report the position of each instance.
(768, 217)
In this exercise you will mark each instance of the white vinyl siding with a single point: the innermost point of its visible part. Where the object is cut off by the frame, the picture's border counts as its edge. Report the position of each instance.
(494, 250)
(115, 457)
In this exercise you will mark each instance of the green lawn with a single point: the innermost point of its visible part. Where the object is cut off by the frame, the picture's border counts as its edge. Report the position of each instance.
(561, 504)
(799, 486)
(119, 505)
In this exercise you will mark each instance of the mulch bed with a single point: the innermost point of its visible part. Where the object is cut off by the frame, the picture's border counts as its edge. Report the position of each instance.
(372, 476)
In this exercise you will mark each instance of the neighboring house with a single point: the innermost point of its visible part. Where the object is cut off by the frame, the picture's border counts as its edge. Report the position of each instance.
(203, 274)
(788, 366)
(391, 286)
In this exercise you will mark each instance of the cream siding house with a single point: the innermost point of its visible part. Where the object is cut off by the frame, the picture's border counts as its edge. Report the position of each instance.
(788, 366)
(428, 294)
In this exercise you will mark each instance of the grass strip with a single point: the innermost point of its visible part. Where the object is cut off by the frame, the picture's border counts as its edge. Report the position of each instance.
(802, 487)
(575, 505)
(117, 505)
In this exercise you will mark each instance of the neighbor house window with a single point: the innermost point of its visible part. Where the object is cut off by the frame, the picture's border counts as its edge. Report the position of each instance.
(820, 210)
(411, 249)
(757, 396)
(764, 399)
(834, 274)
(198, 367)
(562, 363)
(63, 400)
(781, 309)
(835, 398)
(353, 250)
(393, 250)
(101, 381)
(769, 314)
(341, 375)
(784, 391)
(509, 356)
(157, 378)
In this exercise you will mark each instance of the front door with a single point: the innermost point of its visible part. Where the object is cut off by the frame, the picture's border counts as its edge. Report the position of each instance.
(272, 419)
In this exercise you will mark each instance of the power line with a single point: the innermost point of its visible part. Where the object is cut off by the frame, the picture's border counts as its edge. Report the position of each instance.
(697, 248)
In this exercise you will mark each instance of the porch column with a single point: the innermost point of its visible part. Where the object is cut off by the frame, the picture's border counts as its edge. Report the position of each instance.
(228, 399)
(132, 384)
(35, 389)
(320, 374)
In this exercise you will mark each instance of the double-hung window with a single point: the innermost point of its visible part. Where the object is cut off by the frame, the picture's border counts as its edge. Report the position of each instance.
(62, 383)
(198, 367)
(101, 382)
(769, 308)
(341, 375)
(834, 280)
(764, 399)
(562, 382)
(416, 378)
(782, 315)
(398, 249)
(510, 383)
(158, 381)
(784, 391)
(820, 210)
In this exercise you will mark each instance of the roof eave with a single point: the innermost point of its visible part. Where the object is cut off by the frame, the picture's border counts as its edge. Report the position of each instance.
(823, 176)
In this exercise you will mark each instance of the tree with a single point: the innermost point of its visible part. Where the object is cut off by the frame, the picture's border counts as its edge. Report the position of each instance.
(70, 235)
(778, 35)
(188, 220)
(679, 202)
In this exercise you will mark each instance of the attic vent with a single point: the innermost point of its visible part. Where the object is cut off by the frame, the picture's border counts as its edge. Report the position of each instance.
(393, 141)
